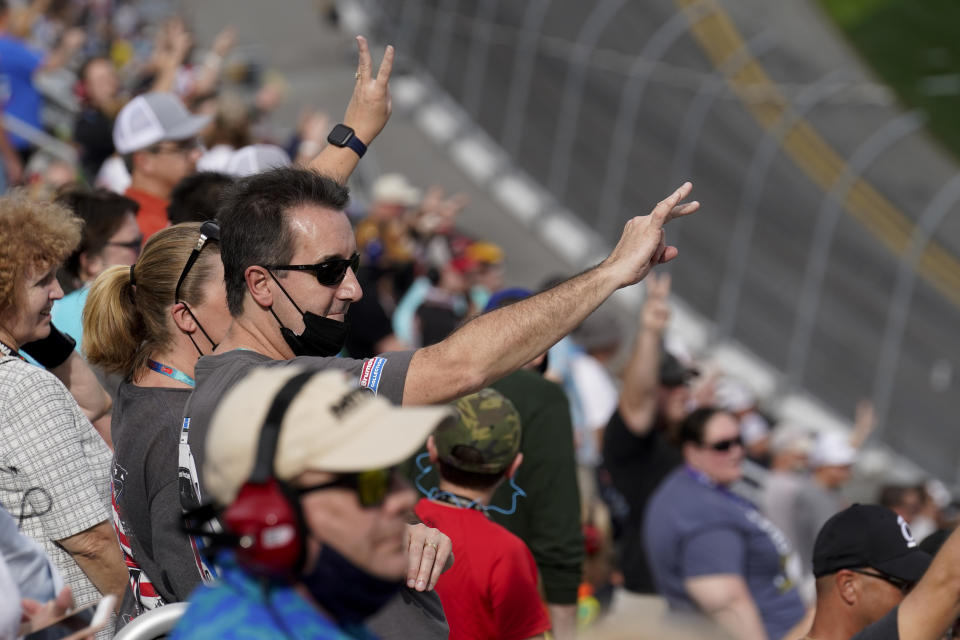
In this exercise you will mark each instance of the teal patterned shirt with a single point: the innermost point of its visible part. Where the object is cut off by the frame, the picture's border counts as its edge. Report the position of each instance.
(239, 607)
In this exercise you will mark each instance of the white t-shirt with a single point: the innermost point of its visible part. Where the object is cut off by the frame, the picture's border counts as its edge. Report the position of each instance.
(596, 398)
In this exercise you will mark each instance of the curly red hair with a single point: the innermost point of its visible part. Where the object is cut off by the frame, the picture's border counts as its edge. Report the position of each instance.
(33, 235)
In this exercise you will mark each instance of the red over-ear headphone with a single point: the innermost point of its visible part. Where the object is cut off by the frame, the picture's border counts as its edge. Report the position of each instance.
(265, 516)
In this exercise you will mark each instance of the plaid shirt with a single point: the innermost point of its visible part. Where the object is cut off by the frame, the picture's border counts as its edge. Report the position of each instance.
(54, 466)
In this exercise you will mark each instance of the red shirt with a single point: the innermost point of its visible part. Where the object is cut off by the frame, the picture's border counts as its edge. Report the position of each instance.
(491, 591)
(153, 212)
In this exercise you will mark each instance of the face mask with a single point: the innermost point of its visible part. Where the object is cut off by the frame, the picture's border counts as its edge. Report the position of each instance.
(321, 336)
(346, 592)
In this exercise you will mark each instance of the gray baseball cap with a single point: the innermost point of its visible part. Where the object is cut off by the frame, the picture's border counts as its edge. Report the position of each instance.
(154, 117)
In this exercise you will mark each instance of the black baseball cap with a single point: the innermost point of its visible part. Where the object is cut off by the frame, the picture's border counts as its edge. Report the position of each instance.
(869, 535)
(674, 373)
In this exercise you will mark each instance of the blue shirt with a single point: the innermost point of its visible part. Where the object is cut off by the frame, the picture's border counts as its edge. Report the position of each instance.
(692, 529)
(67, 314)
(238, 608)
(17, 93)
(26, 561)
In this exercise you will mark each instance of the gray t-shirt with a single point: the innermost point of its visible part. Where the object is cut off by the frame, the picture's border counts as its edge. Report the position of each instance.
(883, 629)
(692, 530)
(215, 376)
(146, 430)
(812, 507)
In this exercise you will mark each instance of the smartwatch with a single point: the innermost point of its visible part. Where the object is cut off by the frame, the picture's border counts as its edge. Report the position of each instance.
(343, 136)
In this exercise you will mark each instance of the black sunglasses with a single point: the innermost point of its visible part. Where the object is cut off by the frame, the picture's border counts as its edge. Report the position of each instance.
(176, 146)
(724, 445)
(209, 230)
(329, 273)
(371, 487)
(903, 585)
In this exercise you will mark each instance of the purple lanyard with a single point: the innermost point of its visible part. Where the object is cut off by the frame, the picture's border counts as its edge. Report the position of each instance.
(705, 480)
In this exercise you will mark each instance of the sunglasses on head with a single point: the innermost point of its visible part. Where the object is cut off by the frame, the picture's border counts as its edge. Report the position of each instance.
(209, 230)
(329, 273)
(724, 445)
(371, 487)
(903, 585)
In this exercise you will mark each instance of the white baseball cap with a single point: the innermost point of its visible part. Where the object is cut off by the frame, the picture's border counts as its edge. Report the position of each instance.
(832, 449)
(255, 158)
(151, 118)
(394, 188)
(331, 425)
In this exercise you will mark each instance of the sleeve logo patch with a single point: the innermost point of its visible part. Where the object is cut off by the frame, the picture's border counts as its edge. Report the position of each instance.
(371, 372)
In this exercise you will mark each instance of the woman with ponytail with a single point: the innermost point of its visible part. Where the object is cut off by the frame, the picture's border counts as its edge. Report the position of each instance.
(150, 323)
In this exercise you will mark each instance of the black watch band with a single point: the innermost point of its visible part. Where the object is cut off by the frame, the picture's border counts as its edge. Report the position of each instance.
(344, 136)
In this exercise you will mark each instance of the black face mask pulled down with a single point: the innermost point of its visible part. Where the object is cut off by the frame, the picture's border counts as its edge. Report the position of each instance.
(346, 592)
(321, 336)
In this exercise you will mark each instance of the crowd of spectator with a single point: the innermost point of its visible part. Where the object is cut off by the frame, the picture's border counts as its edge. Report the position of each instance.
(219, 388)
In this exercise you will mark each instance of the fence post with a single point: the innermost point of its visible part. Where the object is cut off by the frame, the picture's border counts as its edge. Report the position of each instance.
(763, 156)
(442, 33)
(477, 60)
(522, 74)
(700, 107)
(621, 137)
(830, 210)
(941, 205)
(573, 93)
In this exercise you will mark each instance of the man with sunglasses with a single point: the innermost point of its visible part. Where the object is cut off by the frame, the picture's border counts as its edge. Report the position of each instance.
(713, 554)
(350, 508)
(157, 138)
(866, 561)
(288, 252)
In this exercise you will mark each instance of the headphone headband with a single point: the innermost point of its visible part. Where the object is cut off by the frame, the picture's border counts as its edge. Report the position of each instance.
(263, 467)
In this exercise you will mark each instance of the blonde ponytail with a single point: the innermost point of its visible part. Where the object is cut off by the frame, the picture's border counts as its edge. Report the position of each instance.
(123, 321)
(112, 328)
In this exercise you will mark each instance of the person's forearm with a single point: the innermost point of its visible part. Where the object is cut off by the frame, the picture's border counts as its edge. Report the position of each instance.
(98, 554)
(934, 604)
(563, 621)
(638, 396)
(740, 619)
(501, 341)
(336, 162)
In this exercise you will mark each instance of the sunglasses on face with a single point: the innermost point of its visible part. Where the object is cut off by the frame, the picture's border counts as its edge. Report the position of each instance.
(134, 245)
(329, 273)
(903, 585)
(179, 146)
(371, 487)
(724, 445)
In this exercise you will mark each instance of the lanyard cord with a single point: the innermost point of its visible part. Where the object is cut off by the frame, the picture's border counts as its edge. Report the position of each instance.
(7, 350)
(170, 372)
(456, 500)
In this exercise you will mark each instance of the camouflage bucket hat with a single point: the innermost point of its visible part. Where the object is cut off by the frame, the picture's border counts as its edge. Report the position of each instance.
(486, 436)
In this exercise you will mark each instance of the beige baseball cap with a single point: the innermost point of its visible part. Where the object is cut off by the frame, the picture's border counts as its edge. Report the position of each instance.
(331, 425)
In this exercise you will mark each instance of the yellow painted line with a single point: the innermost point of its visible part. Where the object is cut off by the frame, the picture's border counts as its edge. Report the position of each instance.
(719, 38)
